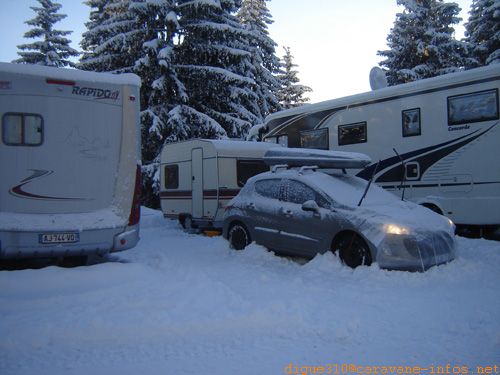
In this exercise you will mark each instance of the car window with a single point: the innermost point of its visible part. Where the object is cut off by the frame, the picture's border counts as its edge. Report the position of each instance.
(269, 188)
(298, 192)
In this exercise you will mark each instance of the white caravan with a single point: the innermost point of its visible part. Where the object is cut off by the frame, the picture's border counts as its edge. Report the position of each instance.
(443, 132)
(69, 154)
(199, 177)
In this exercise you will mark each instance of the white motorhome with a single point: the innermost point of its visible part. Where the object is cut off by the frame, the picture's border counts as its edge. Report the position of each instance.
(69, 154)
(200, 176)
(443, 132)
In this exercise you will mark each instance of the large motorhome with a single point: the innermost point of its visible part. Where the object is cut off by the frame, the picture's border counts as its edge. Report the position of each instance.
(199, 177)
(442, 132)
(69, 154)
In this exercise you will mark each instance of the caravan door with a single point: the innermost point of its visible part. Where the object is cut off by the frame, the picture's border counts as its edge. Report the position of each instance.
(197, 182)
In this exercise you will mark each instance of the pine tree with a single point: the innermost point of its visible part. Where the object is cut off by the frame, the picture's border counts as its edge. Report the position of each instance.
(113, 42)
(163, 93)
(421, 42)
(53, 49)
(482, 32)
(291, 93)
(214, 63)
(255, 16)
(95, 34)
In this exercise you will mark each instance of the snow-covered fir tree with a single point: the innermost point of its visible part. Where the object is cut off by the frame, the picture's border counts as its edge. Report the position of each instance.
(255, 16)
(214, 63)
(113, 41)
(163, 94)
(422, 42)
(291, 93)
(95, 34)
(482, 32)
(53, 49)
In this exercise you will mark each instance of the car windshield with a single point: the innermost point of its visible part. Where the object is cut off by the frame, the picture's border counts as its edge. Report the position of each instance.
(348, 190)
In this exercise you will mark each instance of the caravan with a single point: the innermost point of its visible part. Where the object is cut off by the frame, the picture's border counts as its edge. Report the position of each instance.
(437, 140)
(69, 154)
(200, 176)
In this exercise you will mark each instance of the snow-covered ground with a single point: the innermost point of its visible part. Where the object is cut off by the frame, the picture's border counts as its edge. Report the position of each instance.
(186, 304)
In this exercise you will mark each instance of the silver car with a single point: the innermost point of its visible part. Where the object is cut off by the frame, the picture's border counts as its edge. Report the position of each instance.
(304, 212)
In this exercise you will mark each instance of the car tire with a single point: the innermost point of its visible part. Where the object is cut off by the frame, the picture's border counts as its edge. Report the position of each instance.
(352, 250)
(239, 237)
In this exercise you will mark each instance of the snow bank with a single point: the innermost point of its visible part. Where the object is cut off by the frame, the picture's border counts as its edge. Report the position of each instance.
(180, 303)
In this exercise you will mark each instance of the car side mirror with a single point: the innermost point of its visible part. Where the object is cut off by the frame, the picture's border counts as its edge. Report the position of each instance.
(310, 206)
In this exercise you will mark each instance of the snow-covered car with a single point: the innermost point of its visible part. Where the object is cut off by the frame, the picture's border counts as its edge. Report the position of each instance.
(304, 212)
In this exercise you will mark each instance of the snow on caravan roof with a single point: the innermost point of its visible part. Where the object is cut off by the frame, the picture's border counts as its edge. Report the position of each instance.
(70, 74)
(296, 157)
(234, 148)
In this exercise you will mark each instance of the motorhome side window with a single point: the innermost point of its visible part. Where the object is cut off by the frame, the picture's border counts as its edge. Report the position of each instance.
(22, 129)
(172, 176)
(352, 133)
(411, 122)
(473, 107)
(315, 138)
(249, 168)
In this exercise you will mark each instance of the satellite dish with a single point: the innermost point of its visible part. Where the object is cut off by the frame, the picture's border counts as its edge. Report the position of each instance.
(378, 80)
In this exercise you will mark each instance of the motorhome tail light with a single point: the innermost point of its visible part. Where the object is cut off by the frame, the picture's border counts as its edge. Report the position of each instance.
(135, 211)
(131, 98)
(63, 82)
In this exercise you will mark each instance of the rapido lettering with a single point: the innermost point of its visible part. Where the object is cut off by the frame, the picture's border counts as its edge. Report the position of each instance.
(95, 93)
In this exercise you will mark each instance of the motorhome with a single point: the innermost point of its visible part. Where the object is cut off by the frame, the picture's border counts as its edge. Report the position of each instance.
(70, 164)
(199, 177)
(437, 140)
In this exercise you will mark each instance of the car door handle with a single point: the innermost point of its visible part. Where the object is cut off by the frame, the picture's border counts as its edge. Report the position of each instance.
(287, 213)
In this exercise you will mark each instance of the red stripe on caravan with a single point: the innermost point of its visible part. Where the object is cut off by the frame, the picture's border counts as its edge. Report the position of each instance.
(207, 194)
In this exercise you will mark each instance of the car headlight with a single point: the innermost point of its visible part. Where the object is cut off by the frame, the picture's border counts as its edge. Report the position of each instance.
(395, 229)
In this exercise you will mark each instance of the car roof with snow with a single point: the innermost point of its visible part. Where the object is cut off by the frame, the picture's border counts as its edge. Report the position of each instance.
(343, 188)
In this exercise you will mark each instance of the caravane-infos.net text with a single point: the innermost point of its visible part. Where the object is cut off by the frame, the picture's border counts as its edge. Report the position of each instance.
(356, 369)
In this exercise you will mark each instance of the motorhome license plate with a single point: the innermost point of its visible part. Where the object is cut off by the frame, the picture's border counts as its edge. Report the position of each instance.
(68, 237)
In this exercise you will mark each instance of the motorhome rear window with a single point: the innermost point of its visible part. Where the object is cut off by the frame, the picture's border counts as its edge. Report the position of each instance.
(171, 176)
(352, 133)
(473, 107)
(315, 138)
(249, 168)
(22, 129)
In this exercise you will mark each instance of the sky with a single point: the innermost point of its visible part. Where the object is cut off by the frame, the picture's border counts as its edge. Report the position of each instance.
(334, 42)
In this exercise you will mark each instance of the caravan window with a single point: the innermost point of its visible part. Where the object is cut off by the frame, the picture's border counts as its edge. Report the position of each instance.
(171, 176)
(22, 129)
(352, 133)
(249, 168)
(315, 138)
(473, 107)
(411, 122)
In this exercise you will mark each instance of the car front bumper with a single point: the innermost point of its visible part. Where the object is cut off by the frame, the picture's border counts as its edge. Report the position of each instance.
(416, 252)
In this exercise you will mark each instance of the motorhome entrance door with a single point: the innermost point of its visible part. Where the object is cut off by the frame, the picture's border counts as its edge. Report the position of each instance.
(197, 182)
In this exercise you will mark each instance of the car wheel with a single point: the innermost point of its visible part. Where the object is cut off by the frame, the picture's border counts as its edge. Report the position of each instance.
(353, 251)
(239, 238)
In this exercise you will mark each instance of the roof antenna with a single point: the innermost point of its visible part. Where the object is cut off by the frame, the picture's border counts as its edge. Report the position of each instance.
(368, 184)
(403, 177)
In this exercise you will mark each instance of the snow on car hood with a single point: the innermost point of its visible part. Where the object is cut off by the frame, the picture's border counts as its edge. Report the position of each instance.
(379, 209)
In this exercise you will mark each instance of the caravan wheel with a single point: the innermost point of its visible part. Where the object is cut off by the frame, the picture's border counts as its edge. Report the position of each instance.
(186, 221)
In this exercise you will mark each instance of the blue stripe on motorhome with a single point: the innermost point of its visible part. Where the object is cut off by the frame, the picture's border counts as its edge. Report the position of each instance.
(426, 157)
